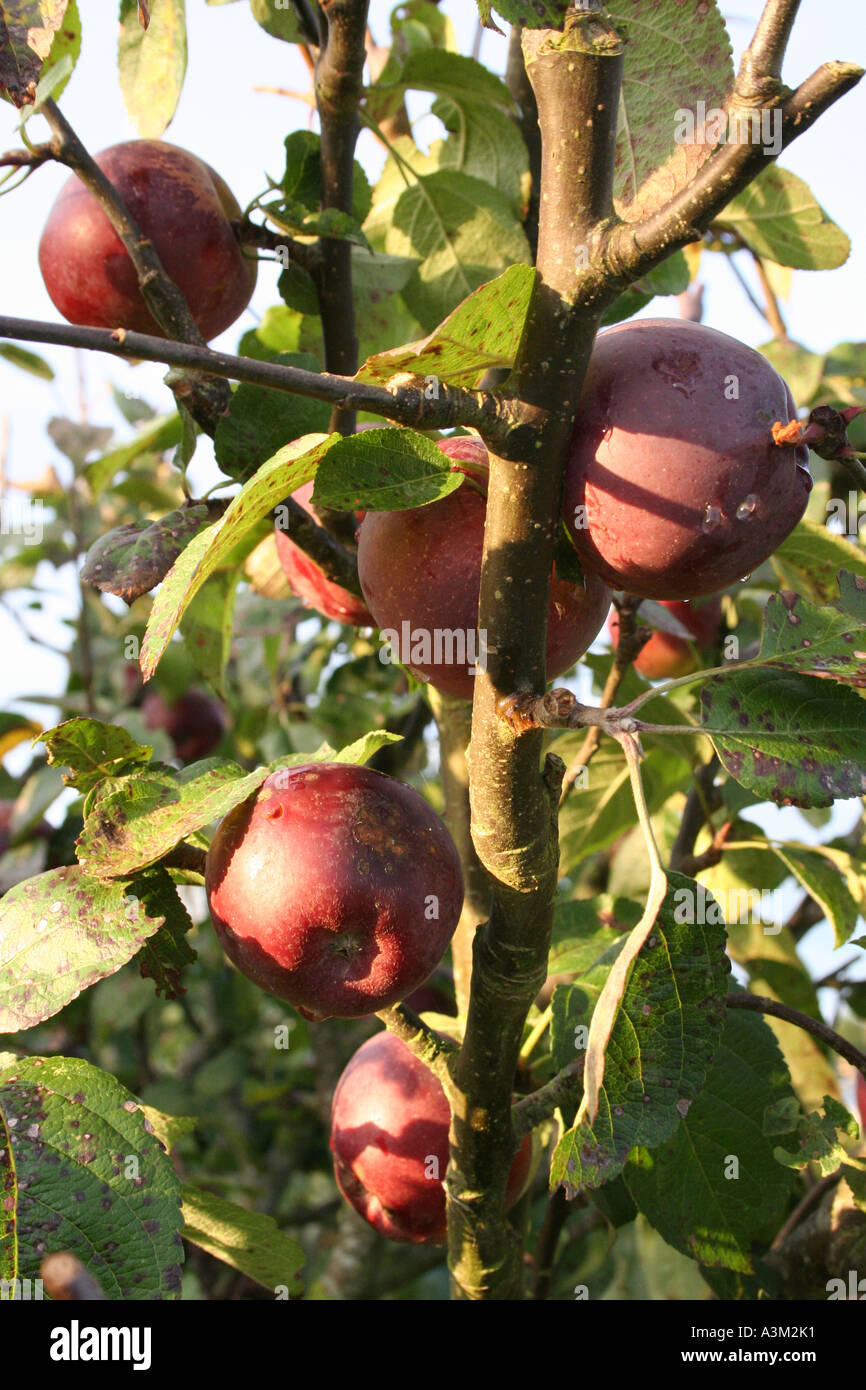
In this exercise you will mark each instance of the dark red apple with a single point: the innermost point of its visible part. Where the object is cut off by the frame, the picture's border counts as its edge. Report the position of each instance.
(389, 1138)
(666, 656)
(183, 206)
(420, 571)
(674, 486)
(195, 723)
(335, 888)
(309, 583)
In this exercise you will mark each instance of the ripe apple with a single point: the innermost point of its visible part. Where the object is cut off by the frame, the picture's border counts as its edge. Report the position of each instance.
(665, 656)
(307, 579)
(389, 1138)
(335, 888)
(195, 723)
(420, 571)
(674, 486)
(183, 206)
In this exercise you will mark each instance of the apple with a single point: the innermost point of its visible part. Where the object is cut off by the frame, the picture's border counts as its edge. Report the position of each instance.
(195, 723)
(674, 486)
(666, 656)
(186, 210)
(389, 1138)
(335, 888)
(420, 571)
(307, 580)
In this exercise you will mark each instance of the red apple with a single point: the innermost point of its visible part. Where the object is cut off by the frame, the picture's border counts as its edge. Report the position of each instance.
(309, 583)
(335, 888)
(195, 723)
(420, 571)
(674, 486)
(183, 206)
(389, 1138)
(665, 656)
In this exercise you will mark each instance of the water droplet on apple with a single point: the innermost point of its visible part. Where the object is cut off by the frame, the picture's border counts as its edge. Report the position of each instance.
(744, 579)
(747, 507)
(712, 518)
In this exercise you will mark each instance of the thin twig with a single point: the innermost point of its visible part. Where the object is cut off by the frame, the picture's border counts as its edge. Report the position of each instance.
(757, 1003)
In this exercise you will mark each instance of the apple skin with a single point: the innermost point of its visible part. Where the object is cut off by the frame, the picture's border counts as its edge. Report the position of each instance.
(423, 566)
(319, 889)
(389, 1117)
(665, 656)
(661, 461)
(183, 206)
(309, 583)
(195, 723)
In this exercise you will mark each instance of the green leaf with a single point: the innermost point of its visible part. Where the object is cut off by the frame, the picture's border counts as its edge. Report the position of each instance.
(280, 23)
(793, 739)
(259, 421)
(93, 751)
(584, 929)
(59, 933)
(363, 749)
(26, 360)
(811, 558)
(676, 56)
(134, 821)
(816, 1136)
(287, 470)
(463, 231)
(279, 331)
(206, 626)
(778, 217)
(534, 14)
(301, 183)
(247, 1240)
(297, 220)
(689, 1189)
(802, 370)
(91, 1178)
(152, 64)
(27, 32)
(65, 51)
(163, 956)
(131, 560)
(14, 729)
(155, 438)
(666, 1028)
(814, 641)
(387, 470)
(826, 885)
(482, 332)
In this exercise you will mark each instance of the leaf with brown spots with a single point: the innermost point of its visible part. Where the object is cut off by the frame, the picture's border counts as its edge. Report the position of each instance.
(164, 955)
(668, 1023)
(131, 560)
(686, 1188)
(483, 332)
(91, 1178)
(816, 641)
(93, 751)
(60, 932)
(27, 29)
(791, 738)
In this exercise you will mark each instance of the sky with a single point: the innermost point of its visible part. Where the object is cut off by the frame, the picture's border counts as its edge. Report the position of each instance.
(240, 132)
